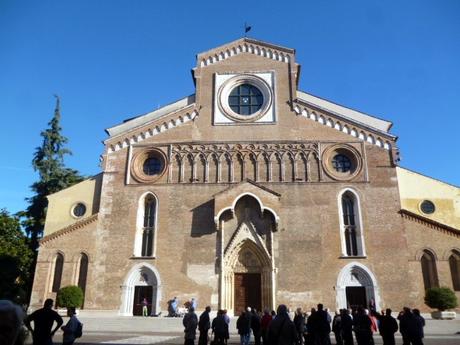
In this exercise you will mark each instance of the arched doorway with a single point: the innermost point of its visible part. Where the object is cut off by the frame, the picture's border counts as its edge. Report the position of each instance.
(143, 281)
(248, 279)
(357, 287)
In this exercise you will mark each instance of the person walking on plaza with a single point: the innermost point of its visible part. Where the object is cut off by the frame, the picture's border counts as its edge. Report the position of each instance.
(72, 330)
(204, 325)
(43, 319)
(145, 305)
(243, 324)
(406, 322)
(190, 323)
(388, 328)
(282, 330)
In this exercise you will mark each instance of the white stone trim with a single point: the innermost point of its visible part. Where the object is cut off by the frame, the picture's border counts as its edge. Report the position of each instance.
(342, 126)
(358, 220)
(367, 280)
(132, 280)
(152, 131)
(245, 48)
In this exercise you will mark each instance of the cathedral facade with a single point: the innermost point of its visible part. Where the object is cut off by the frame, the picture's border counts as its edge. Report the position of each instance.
(251, 192)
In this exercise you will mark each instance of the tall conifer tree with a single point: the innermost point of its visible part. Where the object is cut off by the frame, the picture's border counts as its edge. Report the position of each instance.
(54, 176)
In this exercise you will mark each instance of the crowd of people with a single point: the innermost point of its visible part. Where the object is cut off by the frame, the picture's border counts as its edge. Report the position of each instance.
(278, 328)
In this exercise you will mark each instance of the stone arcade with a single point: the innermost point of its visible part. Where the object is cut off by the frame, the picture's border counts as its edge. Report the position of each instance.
(250, 192)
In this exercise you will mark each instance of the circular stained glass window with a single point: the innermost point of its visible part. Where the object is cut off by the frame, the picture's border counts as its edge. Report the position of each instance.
(427, 207)
(79, 210)
(341, 163)
(245, 99)
(152, 166)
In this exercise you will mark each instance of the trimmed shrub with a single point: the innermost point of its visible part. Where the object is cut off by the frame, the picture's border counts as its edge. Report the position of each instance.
(441, 298)
(70, 296)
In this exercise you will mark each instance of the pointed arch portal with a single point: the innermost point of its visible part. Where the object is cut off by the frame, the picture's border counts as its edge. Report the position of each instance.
(357, 287)
(143, 281)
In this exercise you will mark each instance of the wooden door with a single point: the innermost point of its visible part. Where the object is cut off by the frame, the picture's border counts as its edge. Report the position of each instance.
(247, 291)
(356, 297)
(141, 292)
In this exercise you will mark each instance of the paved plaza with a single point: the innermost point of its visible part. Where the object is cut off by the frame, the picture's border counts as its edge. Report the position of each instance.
(109, 329)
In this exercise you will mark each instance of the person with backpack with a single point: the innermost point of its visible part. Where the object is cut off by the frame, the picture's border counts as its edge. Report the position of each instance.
(282, 330)
(73, 328)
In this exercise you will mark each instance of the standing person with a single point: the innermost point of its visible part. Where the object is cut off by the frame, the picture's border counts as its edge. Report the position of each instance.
(405, 318)
(190, 323)
(194, 303)
(299, 322)
(419, 323)
(347, 327)
(282, 330)
(322, 326)
(264, 324)
(44, 318)
(362, 324)
(11, 316)
(337, 327)
(72, 330)
(310, 339)
(145, 310)
(243, 324)
(204, 325)
(255, 326)
(220, 328)
(388, 328)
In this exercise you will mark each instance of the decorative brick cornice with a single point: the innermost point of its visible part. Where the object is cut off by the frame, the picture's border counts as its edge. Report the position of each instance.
(78, 225)
(248, 46)
(430, 223)
(374, 137)
(157, 126)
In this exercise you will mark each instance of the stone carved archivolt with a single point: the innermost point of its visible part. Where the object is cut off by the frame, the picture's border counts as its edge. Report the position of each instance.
(235, 162)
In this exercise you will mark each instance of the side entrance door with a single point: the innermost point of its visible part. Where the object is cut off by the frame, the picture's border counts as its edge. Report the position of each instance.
(141, 292)
(247, 291)
(356, 297)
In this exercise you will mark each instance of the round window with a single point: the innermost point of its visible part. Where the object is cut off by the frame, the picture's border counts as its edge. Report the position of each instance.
(427, 207)
(152, 166)
(79, 210)
(245, 99)
(341, 163)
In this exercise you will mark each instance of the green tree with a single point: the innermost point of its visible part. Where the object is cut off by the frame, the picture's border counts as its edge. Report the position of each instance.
(54, 176)
(15, 259)
(441, 298)
(70, 296)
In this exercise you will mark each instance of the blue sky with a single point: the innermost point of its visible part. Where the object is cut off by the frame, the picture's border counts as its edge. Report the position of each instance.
(112, 60)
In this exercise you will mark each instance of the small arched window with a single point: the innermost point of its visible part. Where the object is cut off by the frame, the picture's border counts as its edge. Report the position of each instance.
(352, 239)
(83, 272)
(57, 276)
(454, 264)
(149, 226)
(429, 271)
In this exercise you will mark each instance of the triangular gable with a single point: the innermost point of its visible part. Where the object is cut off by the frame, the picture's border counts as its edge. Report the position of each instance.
(245, 232)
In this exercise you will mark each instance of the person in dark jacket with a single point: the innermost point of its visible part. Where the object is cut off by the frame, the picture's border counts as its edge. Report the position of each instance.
(299, 322)
(190, 322)
(417, 331)
(321, 326)
(347, 327)
(337, 327)
(362, 326)
(264, 324)
(388, 328)
(282, 330)
(243, 325)
(204, 325)
(406, 322)
(255, 326)
(220, 328)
